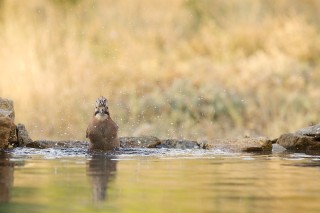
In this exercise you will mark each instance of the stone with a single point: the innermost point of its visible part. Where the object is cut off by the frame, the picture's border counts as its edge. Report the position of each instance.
(305, 140)
(296, 142)
(7, 111)
(38, 145)
(6, 108)
(313, 131)
(23, 136)
(178, 144)
(276, 148)
(45, 144)
(258, 144)
(139, 142)
(5, 131)
(313, 149)
(13, 139)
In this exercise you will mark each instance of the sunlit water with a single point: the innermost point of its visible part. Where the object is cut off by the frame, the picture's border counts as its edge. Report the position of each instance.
(150, 180)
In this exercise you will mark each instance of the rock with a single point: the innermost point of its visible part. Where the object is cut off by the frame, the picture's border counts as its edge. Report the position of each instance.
(5, 131)
(232, 145)
(312, 131)
(45, 144)
(7, 109)
(303, 140)
(178, 144)
(313, 149)
(13, 139)
(296, 142)
(259, 144)
(125, 142)
(7, 119)
(39, 145)
(23, 136)
(18, 134)
(139, 142)
(276, 148)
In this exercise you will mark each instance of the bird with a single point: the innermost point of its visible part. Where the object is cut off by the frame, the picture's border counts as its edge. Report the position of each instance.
(102, 131)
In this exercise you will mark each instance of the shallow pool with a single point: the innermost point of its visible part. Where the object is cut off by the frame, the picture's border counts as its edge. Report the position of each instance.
(150, 180)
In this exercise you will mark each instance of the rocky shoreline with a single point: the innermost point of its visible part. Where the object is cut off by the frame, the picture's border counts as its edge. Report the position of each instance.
(233, 145)
(305, 140)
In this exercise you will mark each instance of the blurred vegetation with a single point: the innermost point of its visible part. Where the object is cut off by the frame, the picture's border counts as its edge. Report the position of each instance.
(196, 69)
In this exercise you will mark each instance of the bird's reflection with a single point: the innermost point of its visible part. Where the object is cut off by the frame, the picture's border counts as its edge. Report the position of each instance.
(101, 169)
(6, 177)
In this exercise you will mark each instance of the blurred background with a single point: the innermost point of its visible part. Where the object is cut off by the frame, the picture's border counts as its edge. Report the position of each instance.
(196, 69)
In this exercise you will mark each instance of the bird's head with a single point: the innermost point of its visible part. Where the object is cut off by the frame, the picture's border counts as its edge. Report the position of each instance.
(101, 108)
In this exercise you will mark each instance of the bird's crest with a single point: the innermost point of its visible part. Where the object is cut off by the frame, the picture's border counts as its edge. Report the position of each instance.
(101, 102)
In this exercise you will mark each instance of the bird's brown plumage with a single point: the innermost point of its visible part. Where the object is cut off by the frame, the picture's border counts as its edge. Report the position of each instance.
(102, 131)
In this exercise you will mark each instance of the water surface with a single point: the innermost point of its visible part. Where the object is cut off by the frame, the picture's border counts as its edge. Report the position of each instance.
(150, 180)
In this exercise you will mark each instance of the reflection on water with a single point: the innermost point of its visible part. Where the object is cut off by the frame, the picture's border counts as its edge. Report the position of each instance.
(164, 181)
(6, 177)
(101, 169)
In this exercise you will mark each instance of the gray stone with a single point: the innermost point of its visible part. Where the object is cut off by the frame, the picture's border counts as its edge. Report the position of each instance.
(259, 144)
(44, 144)
(178, 144)
(6, 108)
(139, 142)
(313, 131)
(276, 148)
(23, 136)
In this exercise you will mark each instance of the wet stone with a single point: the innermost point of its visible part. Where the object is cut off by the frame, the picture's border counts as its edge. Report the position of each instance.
(36, 144)
(139, 142)
(178, 144)
(45, 144)
(230, 145)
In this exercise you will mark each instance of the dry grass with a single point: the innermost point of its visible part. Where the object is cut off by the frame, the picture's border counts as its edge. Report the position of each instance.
(188, 69)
